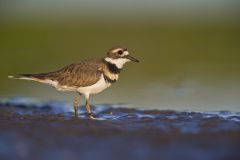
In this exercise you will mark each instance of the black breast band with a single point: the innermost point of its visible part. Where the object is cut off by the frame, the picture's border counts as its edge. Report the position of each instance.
(113, 68)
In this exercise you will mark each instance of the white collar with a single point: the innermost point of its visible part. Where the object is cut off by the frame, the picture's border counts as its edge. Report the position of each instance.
(119, 62)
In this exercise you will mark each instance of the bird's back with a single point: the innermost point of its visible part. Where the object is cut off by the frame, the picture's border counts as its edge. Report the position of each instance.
(81, 74)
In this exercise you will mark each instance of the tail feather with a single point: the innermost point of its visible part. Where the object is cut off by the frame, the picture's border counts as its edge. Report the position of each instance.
(36, 77)
(42, 77)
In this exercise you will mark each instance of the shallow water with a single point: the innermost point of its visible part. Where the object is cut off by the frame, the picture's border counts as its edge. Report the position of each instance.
(48, 130)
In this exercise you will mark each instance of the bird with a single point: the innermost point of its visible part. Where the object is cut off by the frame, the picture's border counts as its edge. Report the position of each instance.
(86, 77)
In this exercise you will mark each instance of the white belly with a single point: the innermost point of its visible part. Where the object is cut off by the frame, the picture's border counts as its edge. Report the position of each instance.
(96, 88)
(93, 89)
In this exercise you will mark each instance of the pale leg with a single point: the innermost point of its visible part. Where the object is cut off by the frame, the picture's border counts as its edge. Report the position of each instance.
(75, 104)
(88, 108)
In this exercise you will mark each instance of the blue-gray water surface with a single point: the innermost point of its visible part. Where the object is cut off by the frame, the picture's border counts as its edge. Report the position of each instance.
(49, 130)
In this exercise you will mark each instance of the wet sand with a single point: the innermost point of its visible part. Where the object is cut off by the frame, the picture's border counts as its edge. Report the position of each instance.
(50, 131)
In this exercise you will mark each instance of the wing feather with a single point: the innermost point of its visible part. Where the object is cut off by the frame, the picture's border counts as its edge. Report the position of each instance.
(82, 74)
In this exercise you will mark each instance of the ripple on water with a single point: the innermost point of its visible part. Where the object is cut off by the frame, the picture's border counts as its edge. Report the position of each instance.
(186, 121)
(48, 130)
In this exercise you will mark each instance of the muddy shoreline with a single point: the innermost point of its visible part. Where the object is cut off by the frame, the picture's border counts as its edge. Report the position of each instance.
(34, 131)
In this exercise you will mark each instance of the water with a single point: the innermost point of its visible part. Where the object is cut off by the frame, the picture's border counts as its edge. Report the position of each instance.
(45, 130)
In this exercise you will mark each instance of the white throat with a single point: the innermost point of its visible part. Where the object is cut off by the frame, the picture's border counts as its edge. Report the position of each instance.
(119, 62)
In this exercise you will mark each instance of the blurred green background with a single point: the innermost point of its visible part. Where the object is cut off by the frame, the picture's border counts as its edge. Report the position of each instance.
(189, 50)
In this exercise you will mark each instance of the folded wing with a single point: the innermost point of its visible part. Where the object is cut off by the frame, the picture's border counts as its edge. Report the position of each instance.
(85, 73)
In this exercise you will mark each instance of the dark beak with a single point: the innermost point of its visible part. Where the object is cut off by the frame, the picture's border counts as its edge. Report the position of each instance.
(132, 58)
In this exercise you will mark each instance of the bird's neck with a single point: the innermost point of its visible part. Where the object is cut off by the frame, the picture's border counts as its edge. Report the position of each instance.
(112, 68)
(111, 71)
(119, 62)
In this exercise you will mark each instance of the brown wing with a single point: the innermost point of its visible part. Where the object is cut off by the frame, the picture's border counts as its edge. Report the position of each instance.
(85, 73)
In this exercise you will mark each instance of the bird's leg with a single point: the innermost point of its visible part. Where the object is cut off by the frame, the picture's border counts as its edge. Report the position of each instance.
(88, 108)
(75, 104)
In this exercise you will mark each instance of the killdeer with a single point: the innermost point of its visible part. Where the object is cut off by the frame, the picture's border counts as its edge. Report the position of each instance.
(86, 77)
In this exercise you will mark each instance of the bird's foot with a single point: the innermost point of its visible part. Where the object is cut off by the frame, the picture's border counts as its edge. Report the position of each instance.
(76, 114)
(94, 117)
(90, 115)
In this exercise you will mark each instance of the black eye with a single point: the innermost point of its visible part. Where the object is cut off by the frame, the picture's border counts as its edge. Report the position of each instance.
(120, 52)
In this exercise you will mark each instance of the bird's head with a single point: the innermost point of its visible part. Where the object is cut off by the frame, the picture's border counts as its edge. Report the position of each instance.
(119, 56)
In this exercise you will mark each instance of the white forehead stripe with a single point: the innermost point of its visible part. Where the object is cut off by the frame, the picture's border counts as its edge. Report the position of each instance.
(119, 62)
(116, 50)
